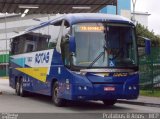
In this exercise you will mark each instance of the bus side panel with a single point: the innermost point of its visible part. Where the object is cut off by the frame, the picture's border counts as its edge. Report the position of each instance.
(56, 69)
(13, 73)
(33, 67)
(60, 73)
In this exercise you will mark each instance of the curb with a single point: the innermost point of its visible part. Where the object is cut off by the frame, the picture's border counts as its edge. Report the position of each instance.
(4, 79)
(139, 103)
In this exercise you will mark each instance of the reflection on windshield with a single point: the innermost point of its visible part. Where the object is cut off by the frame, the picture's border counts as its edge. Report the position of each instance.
(98, 45)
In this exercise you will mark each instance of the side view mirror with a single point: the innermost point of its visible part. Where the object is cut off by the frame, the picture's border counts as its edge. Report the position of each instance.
(72, 44)
(148, 46)
(144, 46)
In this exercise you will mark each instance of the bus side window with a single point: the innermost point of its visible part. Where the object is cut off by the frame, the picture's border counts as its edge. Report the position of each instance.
(29, 46)
(53, 32)
(11, 47)
(56, 31)
(14, 46)
(42, 42)
(65, 53)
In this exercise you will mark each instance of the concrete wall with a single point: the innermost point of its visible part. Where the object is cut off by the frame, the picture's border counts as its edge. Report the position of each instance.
(142, 18)
(110, 9)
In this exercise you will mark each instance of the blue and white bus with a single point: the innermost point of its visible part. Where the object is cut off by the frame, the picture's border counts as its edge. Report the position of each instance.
(83, 56)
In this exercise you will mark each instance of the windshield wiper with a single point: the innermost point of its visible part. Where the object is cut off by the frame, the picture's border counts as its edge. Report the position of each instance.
(96, 59)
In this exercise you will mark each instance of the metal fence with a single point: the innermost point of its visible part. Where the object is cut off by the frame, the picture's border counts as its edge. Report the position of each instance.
(4, 64)
(150, 70)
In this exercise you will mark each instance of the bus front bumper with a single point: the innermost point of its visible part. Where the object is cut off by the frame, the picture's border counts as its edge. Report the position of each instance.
(105, 92)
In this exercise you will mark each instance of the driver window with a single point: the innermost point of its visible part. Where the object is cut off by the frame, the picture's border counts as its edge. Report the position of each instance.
(66, 54)
(65, 51)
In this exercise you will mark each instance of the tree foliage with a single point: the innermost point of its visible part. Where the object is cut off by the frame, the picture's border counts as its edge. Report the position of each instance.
(143, 31)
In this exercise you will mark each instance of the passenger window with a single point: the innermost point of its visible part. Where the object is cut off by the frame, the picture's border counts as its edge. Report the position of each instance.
(17, 45)
(41, 39)
(29, 47)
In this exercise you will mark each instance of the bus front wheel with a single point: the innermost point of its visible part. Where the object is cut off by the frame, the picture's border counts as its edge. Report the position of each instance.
(57, 101)
(109, 102)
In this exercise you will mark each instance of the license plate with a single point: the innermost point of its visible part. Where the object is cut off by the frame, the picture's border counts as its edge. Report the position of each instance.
(109, 88)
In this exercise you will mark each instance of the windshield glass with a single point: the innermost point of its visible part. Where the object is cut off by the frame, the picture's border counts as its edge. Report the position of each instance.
(101, 45)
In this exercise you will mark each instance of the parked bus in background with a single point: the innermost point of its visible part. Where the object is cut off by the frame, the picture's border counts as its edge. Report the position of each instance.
(84, 56)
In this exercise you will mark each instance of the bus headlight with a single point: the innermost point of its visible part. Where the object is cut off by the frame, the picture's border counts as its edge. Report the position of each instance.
(134, 87)
(82, 88)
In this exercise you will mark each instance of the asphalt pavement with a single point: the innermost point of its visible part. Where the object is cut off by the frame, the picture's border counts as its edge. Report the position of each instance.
(144, 101)
(11, 103)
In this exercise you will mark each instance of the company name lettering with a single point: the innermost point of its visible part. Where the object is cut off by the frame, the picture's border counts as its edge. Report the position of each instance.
(42, 57)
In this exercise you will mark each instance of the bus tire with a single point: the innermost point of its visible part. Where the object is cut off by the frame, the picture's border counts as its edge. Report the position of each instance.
(17, 88)
(22, 92)
(57, 101)
(109, 102)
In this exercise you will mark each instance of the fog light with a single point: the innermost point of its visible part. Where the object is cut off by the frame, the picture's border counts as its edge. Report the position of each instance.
(85, 87)
(134, 87)
(130, 88)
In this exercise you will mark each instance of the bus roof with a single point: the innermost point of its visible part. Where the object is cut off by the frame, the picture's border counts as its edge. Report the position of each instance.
(82, 17)
(94, 17)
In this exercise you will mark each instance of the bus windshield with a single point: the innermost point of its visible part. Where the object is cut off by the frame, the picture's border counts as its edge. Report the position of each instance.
(104, 45)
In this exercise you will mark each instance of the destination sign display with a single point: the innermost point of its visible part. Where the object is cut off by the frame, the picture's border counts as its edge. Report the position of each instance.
(90, 29)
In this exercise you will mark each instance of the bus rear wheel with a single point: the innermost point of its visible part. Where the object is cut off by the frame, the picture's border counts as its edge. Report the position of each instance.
(57, 101)
(17, 88)
(109, 102)
(22, 92)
